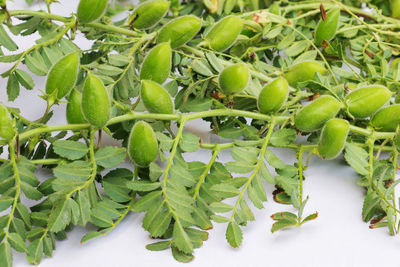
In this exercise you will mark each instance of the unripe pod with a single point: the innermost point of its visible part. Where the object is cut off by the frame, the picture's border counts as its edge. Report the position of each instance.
(326, 29)
(316, 114)
(63, 75)
(365, 101)
(7, 130)
(303, 71)
(234, 79)
(224, 34)
(273, 96)
(143, 145)
(155, 98)
(3, 3)
(91, 10)
(157, 64)
(148, 13)
(180, 30)
(333, 138)
(96, 105)
(387, 119)
(74, 108)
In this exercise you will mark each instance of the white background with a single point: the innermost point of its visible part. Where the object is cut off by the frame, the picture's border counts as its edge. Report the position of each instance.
(337, 238)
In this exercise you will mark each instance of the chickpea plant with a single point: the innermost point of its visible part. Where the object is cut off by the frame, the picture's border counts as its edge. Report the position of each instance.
(317, 79)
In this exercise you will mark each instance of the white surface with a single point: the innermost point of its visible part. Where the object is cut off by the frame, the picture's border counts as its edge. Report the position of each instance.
(337, 238)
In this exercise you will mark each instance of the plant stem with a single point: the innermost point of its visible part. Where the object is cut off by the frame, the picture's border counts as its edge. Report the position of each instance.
(206, 171)
(93, 163)
(13, 160)
(257, 167)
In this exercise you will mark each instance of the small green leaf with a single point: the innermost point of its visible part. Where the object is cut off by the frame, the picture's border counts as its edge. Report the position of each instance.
(181, 256)
(72, 150)
(371, 203)
(90, 236)
(159, 246)
(5, 202)
(283, 137)
(219, 218)
(234, 234)
(356, 157)
(310, 217)
(6, 41)
(12, 87)
(16, 242)
(78, 170)
(143, 186)
(147, 201)
(221, 207)
(282, 224)
(6, 257)
(60, 216)
(110, 157)
(25, 79)
(225, 190)
(190, 142)
(181, 239)
(35, 252)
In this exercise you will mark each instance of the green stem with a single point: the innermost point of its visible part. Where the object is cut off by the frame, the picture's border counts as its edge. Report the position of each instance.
(168, 167)
(112, 28)
(92, 162)
(217, 149)
(13, 161)
(40, 14)
(257, 167)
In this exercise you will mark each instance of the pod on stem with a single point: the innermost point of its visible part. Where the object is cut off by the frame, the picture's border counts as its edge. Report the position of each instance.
(333, 138)
(155, 98)
(273, 96)
(180, 30)
(96, 105)
(365, 101)
(148, 13)
(224, 34)
(303, 71)
(157, 64)
(91, 10)
(143, 145)
(317, 113)
(234, 79)
(63, 75)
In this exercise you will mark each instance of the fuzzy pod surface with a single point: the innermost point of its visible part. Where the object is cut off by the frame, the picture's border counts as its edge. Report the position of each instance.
(224, 34)
(96, 105)
(155, 98)
(333, 138)
(157, 64)
(91, 10)
(273, 96)
(148, 13)
(180, 30)
(74, 108)
(234, 79)
(387, 119)
(143, 145)
(63, 75)
(313, 116)
(365, 101)
(303, 71)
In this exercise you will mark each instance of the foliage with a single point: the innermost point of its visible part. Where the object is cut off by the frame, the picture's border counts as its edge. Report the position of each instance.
(182, 199)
